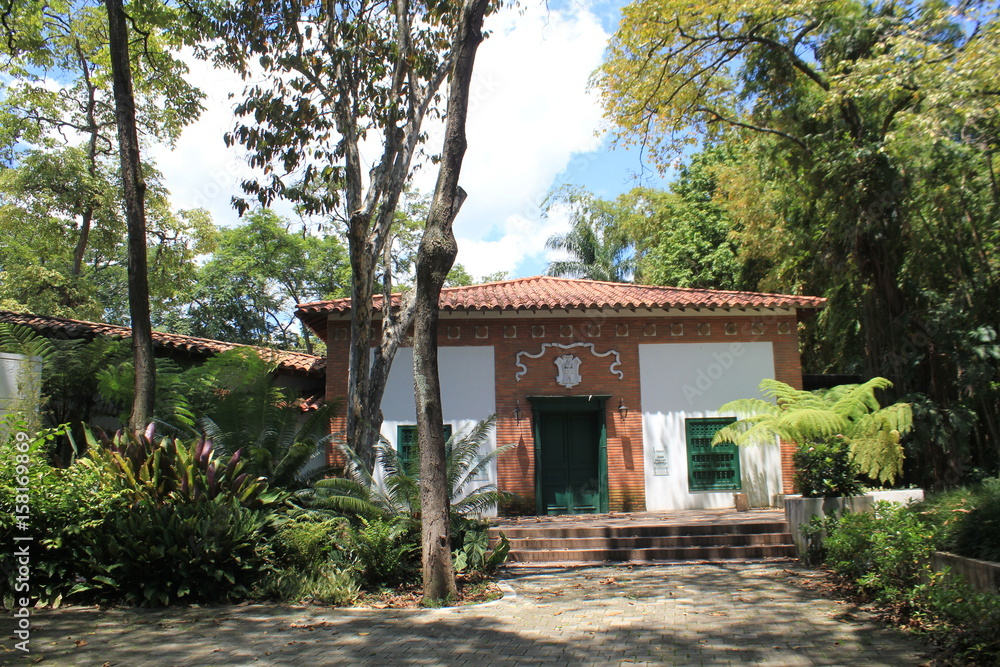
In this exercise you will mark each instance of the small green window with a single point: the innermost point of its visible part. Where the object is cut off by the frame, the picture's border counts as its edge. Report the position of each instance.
(711, 468)
(406, 442)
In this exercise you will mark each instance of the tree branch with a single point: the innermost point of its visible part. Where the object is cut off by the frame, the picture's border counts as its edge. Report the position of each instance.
(755, 128)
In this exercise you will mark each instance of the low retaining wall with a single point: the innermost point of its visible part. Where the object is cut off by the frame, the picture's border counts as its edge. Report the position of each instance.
(982, 575)
(799, 510)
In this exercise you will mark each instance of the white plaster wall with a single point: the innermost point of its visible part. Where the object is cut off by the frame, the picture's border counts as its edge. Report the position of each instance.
(468, 393)
(692, 380)
(20, 381)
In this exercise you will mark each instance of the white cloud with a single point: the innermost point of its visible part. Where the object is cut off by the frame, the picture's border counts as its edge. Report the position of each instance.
(530, 115)
(201, 171)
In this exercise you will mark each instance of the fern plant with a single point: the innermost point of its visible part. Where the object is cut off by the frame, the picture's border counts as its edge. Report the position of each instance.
(246, 410)
(240, 409)
(18, 339)
(397, 491)
(848, 412)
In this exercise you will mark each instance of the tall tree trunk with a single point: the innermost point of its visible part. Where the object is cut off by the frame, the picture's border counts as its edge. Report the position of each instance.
(135, 190)
(364, 419)
(87, 218)
(434, 260)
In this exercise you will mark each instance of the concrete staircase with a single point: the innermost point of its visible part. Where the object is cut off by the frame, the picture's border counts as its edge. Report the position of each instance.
(701, 541)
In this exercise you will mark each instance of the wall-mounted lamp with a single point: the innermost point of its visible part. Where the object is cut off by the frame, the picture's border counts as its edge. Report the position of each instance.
(622, 409)
(517, 412)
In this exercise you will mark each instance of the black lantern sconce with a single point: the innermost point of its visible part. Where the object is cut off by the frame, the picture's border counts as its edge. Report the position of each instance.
(622, 409)
(517, 412)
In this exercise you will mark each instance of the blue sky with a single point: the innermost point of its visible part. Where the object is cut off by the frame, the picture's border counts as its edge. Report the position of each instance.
(533, 125)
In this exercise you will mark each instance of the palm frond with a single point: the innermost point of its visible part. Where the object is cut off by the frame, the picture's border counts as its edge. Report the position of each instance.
(478, 467)
(482, 501)
(463, 453)
(878, 455)
(810, 424)
(343, 495)
(296, 456)
(748, 433)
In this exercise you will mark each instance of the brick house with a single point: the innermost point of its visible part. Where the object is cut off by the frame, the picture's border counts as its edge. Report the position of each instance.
(610, 391)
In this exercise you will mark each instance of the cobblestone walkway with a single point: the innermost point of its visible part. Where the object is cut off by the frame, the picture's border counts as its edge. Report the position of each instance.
(726, 614)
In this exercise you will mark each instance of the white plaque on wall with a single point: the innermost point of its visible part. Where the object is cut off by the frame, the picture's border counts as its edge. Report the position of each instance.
(660, 467)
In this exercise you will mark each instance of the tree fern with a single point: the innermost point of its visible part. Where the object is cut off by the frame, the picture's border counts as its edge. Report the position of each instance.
(852, 411)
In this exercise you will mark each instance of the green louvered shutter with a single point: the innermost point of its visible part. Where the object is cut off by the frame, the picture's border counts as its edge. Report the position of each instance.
(711, 468)
(406, 442)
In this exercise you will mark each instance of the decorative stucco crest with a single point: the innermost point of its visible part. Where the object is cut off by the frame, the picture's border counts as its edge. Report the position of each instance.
(569, 346)
(569, 370)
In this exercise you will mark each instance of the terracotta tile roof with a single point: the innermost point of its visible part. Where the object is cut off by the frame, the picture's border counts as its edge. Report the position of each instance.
(61, 327)
(548, 293)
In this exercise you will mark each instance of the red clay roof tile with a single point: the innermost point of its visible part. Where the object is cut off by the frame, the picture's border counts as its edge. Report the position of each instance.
(549, 293)
(61, 327)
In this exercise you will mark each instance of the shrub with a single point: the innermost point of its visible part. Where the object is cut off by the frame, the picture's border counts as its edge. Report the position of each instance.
(967, 519)
(190, 530)
(307, 539)
(159, 554)
(960, 619)
(65, 505)
(885, 554)
(168, 470)
(978, 532)
(881, 552)
(306, 560)
(826, 470)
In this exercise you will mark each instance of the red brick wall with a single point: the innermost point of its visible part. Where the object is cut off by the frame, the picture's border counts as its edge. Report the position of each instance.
(510, 335)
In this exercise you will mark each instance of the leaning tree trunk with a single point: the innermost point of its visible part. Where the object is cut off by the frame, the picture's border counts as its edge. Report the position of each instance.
(434, 260)
(135, 190)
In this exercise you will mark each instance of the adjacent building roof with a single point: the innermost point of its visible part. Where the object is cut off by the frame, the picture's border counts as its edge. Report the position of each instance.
(545, 293)
(296, 363)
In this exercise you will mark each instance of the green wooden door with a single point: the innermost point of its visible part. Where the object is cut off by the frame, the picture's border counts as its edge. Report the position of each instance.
(569, 465)
(711, 468)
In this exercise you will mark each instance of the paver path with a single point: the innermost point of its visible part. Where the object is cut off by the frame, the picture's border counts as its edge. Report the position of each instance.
(724, 614)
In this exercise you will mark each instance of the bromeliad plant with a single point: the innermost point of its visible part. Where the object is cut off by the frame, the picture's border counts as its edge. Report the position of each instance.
(188, 526)
(168, 470)
(848, 417)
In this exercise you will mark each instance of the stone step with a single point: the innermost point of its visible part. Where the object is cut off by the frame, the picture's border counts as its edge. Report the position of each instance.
(625, 542)
(649, 542)
(717, 553)
(641, 530)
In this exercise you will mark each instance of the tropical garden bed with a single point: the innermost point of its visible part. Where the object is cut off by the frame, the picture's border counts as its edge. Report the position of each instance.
(215, 509)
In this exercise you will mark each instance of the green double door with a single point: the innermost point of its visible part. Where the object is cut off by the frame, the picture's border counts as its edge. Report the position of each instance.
(571, 477)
